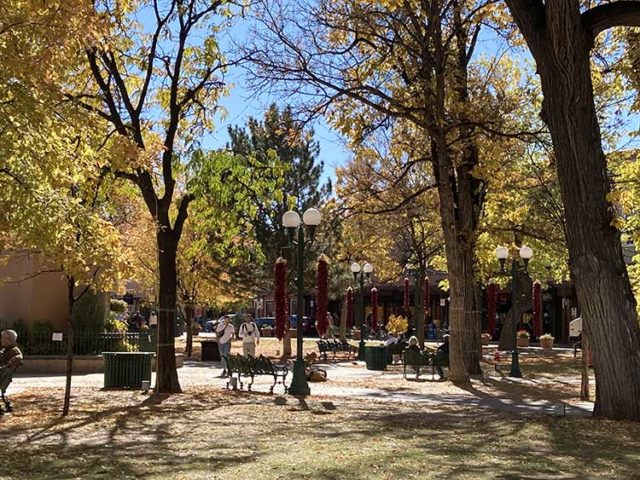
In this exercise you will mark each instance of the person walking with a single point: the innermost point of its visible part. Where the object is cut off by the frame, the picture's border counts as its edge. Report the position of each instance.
(224, 332)
(250, 335)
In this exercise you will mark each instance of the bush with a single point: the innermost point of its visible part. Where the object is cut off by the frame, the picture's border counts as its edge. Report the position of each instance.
(523, 334)
(90, 313)
(118, 306)
(114, 324)
(397, 324)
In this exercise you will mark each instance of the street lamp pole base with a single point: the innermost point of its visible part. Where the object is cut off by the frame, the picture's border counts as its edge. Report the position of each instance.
(515, 364)
(361, 350)
(299, 385)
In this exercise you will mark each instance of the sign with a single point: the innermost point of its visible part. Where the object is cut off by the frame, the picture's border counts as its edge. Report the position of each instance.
(443, 302)
(56, 337)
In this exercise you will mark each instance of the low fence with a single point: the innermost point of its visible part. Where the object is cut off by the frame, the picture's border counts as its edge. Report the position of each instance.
(87, 343)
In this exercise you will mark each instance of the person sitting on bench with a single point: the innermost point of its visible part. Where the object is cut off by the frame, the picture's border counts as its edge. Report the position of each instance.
(442, 352)
(10, 355)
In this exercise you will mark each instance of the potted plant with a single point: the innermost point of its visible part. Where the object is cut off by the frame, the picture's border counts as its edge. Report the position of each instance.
(485, 338)
(523, 338)
(546, 341)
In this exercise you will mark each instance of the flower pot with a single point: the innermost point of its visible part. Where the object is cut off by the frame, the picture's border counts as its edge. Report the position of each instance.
(485, 339)
(546, 343)
(523, 342)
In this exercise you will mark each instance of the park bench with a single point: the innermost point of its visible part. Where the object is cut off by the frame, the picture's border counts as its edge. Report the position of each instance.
(6, 376)
(253, 366)
(335, 346)
(417, 359)
(396, 349)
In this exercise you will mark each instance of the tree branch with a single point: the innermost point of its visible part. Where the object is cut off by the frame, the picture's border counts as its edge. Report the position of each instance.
(608, 15)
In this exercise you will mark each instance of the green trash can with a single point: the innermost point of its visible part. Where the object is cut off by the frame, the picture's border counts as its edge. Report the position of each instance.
(148, 341)
(126, 369)
(376, 357)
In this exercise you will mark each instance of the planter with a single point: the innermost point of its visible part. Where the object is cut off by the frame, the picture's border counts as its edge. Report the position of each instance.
(485, 339)
(523, 342)
(546, 343)
(126, 370)
(376, 358)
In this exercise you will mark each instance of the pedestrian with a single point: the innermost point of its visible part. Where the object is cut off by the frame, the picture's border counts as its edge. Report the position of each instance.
(250, 335)
(10, 354)
(224, 332)
(153, 320)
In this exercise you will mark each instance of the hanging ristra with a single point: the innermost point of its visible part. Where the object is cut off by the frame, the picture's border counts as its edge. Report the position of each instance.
(374, 309)
(323, 298)
(281, 297)
(492, 298)
(427, 297)
(537, 308)
(349, 307)
(406, 296)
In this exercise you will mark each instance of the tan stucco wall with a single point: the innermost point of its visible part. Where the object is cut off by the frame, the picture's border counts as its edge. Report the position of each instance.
(29, 297)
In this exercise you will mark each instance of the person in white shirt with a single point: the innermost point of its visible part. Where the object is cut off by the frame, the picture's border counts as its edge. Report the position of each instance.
(225, 332)
(250, 335)
(153, 320)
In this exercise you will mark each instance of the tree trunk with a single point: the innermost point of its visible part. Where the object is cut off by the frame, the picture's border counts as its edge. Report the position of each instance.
(70, 339)
(166, 373)
(584, 381)
(343, 324)
(286, 341)
(464, 321)
(189, 319)
(561, 47)
(419, 304)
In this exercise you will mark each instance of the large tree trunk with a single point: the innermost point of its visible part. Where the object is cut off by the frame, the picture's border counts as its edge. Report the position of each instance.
(70, 339)
(343, 323)
(465, 350)
(166, 373)
(561, 47)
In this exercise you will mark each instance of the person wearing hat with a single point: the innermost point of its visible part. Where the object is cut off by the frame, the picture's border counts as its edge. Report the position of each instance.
(225, 332)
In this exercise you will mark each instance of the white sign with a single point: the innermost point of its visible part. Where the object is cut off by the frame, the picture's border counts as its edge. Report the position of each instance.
(56, 337)
(443, 302)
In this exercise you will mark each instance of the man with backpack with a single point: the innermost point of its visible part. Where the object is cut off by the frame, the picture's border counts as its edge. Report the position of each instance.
(250, 335)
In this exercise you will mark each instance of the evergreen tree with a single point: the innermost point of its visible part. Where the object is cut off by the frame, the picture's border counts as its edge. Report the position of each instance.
(279, 134)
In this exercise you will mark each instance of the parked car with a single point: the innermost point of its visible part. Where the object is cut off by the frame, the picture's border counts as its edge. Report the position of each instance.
(309, 325)
(263, 322)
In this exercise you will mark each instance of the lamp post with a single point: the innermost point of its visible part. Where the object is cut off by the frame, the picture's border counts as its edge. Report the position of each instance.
(361, 274)
(291, 221)
(502, 253)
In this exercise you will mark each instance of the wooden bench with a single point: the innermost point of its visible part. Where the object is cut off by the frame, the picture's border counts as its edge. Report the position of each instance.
(417, 359)
(253, 366)
(6, 376)
(335, 346)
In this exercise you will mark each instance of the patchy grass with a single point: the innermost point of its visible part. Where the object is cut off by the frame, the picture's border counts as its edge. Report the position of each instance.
(208, 433)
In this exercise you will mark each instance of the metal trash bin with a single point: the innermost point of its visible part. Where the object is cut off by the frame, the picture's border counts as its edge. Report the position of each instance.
(126, 369)
(376, 357)
(210, 351)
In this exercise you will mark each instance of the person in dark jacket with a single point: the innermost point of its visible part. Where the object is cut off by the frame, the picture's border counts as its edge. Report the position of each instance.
(10, 355)
(442, 352)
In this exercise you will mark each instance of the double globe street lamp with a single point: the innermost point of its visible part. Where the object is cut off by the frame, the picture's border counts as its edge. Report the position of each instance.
(291, 221)
(362, 275)
(525, 253)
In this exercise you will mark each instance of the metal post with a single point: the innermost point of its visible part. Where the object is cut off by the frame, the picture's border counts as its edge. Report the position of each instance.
(515, 363)
(299, 385)
(360, 280)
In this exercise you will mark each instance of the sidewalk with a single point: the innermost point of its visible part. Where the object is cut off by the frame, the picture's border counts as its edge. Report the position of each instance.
(198, 374)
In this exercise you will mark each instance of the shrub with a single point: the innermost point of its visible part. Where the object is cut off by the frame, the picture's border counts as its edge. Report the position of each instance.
(397, 324)
(523, 334)
(547, 336)
(118, 306)
(90, 313)
(114, 324)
